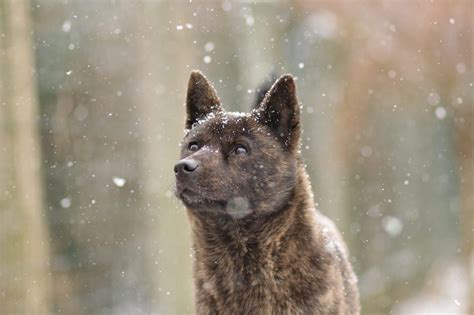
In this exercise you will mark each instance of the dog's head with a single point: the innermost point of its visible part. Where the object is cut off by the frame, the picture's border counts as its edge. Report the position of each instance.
(238, 164)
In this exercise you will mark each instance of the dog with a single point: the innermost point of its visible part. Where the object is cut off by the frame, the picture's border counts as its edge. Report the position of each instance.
(260, 246)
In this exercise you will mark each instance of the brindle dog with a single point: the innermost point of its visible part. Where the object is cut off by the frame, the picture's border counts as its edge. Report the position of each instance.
(260, 245)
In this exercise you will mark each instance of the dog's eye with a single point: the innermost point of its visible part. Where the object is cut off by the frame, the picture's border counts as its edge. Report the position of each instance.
(240, 149)
(193, 146)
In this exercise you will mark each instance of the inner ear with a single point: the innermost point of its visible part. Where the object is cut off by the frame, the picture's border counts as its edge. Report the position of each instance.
(201, 99)
(279, 110)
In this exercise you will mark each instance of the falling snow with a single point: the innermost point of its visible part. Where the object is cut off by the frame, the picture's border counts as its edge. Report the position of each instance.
(209, 46)
(65, 202)
(119, 181)
(66, 26)
(392, 225)
(440, 112)
(249, 20)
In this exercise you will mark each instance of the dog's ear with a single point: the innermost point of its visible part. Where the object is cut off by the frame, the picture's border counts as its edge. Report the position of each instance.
(264, 87)
(279, 110)
(201, 98)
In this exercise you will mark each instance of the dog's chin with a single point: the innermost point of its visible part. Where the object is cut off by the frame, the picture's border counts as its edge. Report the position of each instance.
(195, 201)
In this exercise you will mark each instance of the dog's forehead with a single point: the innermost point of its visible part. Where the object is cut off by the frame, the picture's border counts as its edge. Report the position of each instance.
(224, 124)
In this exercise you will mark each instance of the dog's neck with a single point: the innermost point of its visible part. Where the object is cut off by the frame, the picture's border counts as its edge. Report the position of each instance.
(257, 233)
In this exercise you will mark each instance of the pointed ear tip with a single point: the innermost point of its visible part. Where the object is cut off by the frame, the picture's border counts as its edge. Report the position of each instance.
(196, 75)
(286, 80)
(196, 72)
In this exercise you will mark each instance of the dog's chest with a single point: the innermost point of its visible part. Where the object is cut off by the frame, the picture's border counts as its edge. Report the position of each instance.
(265, 283)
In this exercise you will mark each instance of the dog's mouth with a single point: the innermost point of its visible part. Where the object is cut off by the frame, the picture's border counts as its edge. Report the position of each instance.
(194, 200)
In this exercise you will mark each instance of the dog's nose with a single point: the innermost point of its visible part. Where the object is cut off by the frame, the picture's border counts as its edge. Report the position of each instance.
(186, 166)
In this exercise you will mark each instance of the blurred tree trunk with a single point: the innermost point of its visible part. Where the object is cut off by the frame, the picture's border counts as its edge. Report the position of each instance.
(91, 144)
(465, 154)
(161, 79)
(24, 277)
(464, 140)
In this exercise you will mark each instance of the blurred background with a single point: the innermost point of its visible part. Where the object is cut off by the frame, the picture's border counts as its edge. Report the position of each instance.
(92, 111)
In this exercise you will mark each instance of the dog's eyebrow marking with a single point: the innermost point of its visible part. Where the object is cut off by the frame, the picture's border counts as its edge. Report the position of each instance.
(206, 147)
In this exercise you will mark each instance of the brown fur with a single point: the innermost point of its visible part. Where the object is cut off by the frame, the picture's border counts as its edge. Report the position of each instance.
(260, 245)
